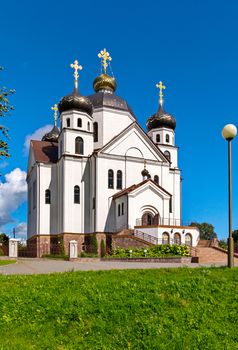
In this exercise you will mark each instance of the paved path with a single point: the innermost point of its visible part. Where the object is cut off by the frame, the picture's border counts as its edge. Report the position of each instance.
(41, 266)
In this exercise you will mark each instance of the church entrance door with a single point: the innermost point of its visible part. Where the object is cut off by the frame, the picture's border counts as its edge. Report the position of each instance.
(147, 219)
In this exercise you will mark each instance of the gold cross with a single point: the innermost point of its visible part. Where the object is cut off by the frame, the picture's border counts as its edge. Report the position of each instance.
(160, 86)
(105, 56)
(55, 109)
(76, 67)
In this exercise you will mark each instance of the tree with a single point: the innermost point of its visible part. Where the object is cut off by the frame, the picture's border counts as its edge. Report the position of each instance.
(4, 238)
(235, 236)
(5, 108)
(206, 230)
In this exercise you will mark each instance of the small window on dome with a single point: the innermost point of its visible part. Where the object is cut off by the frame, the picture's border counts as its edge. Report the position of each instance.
(167, 138)
(79, 122)
(158, 138)
(47, 197)
(68, 122)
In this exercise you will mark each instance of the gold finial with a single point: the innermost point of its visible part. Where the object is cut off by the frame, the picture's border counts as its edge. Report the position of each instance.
(76, 67)
(105, 56)
(160, 86)
(55, 109)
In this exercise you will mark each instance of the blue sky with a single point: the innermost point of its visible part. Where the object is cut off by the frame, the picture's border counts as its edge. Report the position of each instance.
(191, 46)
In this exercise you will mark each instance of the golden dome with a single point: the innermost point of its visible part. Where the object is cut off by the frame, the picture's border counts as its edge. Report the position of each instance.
(104, 82)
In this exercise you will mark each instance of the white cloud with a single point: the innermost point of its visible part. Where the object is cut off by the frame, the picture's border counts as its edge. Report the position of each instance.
(13, 193)
(21, 230)
(36, 135)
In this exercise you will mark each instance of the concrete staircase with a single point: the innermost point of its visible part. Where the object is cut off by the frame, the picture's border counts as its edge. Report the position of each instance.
(210, 254)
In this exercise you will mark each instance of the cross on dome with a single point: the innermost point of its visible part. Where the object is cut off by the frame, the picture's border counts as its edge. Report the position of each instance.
(55, 109)
(105, 56)
(161, 87)
(76, 67)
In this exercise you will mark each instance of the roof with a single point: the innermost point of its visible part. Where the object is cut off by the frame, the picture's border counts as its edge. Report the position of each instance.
(45, 151)
(107, 99)
(135, 186)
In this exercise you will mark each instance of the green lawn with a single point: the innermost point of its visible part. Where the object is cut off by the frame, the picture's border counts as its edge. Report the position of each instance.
(125, 309)
(6, 262)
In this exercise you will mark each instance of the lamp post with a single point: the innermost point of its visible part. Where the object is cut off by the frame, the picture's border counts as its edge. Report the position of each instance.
(229, 133)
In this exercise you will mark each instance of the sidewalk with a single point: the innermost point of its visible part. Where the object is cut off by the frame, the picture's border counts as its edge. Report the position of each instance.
(30, 266)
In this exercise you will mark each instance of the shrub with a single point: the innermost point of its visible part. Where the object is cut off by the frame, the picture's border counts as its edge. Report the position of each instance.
(157, 251)
(103, 248)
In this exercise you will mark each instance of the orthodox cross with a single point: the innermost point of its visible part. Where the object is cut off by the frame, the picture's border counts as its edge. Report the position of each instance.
(76, 67)
(160, 86)
(105, 56)
(55, 109)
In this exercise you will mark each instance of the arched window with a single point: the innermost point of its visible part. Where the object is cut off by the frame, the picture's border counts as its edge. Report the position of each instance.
(119, 179)
(188, 239)
(156, 179)
(110, 178)
(79, 145)
(88, 126)
(167, 155)
(76, 194)
(147, 219)
(95, 132)
(122, 208)
(167, 138)
(119, 210)
(177, 238)
(165, 238)
(47, 196)
(79, 122)
(158, 138)
(68, 122)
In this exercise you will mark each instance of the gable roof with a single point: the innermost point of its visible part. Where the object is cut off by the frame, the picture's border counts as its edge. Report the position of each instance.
(139, 128)
(135, 186)
(45, 151)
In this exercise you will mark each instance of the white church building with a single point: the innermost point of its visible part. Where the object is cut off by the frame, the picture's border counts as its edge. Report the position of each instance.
(100, 172)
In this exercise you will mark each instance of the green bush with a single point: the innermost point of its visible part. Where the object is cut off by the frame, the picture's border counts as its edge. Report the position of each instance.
(103, 248)
(94, 244)
(157, 251)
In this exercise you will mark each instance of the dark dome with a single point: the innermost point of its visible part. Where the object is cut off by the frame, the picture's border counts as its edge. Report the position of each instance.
(145, 172)
(77, 102)
(52, 136)
(161, 119)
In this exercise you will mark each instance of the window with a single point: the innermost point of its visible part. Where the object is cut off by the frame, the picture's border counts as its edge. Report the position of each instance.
(167, 138)
(93, 202)
(88, 126)
(119, 179)
(76, 194)
(167, 155)
(156, 179)
(170, 205)
(79, 145)
(79, 122)
(61, 148)
(110, 178)
(95, 132)
(34, 194)
(188, 239)
(68, 122)
(177, 238)
(122, 209)
(158, 138)
(165, 238)
(47, 197)
(119, 210)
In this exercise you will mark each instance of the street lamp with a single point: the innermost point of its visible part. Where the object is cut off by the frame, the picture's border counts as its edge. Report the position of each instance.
(229, 133)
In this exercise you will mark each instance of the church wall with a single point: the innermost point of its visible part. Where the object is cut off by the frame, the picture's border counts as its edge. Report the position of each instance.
(145, 201)
(76, 173)
(69, 141)
(32, 211)
(110, 124)
(46, 182)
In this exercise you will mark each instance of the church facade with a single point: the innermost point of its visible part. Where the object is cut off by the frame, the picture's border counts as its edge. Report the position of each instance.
(100, 172)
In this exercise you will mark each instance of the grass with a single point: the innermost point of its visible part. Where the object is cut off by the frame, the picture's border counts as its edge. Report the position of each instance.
(6, 262)
(121, 309)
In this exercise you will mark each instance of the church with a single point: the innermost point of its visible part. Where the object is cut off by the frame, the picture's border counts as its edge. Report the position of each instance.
(100, 172)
